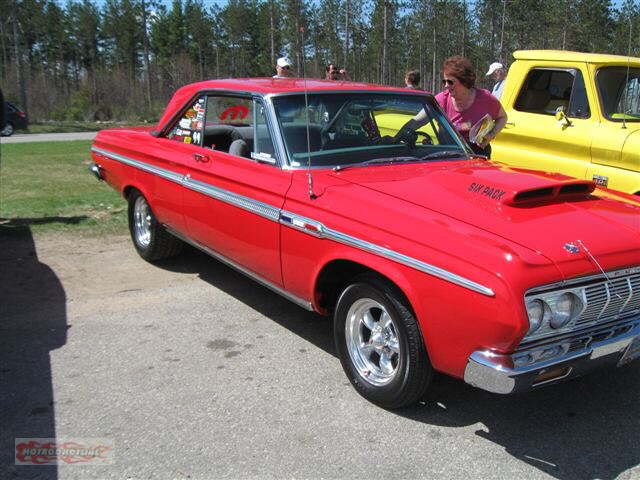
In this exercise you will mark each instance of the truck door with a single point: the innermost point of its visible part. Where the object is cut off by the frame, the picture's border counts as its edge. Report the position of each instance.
(533, 137)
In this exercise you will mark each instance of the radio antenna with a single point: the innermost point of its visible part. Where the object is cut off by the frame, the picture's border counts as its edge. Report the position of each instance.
(312, 195)
(626, 81)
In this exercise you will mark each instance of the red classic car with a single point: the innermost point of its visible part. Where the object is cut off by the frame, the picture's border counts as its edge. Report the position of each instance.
(428, 258)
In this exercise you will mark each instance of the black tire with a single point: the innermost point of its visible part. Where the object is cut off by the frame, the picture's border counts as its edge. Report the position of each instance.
(405, 353)
(150, 239)
(8, 130)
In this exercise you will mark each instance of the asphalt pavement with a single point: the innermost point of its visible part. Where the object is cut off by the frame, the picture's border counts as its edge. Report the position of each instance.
(47, 137)
(189, 370)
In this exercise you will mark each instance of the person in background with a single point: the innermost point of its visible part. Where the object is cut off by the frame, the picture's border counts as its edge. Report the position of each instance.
(412, 79)
(463, 104)
(497, 72)
(283, 68)
(335, 73)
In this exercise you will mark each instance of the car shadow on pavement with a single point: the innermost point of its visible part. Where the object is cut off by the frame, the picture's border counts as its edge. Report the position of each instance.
(314, 328)
(581, 429)
(585, 428)
(14, 223)
(32, 323)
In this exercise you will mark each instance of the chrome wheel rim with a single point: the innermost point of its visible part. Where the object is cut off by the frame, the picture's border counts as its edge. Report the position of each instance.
(142, 222)
(372, 341)
(7, 131)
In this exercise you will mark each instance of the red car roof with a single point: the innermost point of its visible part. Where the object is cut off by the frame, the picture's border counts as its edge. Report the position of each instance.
(269, 85)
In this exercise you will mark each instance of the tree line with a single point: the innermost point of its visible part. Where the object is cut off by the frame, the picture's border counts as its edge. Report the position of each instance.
(122, 59)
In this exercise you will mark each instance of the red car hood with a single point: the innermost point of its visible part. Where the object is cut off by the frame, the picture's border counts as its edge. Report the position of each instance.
(543, 212)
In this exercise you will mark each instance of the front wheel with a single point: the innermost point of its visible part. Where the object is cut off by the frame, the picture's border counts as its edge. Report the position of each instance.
(151, 240)
(380, 345)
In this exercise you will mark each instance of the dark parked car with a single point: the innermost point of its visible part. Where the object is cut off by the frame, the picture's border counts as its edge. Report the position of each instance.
(15, 118)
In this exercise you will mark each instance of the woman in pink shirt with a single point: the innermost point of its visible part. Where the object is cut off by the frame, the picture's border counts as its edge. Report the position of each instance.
(465, 105)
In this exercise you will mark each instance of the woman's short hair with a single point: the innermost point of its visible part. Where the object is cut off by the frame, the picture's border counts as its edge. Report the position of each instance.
(413, 76)
(461, 68)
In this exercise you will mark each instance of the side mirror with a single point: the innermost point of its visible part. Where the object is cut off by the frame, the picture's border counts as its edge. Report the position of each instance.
(562, 117)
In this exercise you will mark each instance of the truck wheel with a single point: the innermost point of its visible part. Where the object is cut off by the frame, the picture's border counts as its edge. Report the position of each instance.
(150, 238)
(380, 345)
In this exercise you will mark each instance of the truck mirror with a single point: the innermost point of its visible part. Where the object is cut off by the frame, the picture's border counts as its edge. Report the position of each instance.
(562, 117)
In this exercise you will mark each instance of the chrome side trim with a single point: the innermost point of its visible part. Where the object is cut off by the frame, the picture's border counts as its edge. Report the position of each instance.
(306, 225)
(161, 172)
(248, 204)
(265, 283)
(233, 199)
(316, 229)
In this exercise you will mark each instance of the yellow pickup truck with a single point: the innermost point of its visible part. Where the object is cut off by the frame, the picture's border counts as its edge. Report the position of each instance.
(573, 113)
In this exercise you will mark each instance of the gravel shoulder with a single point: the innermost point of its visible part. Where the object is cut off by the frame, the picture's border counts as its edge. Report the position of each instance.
(193, 371)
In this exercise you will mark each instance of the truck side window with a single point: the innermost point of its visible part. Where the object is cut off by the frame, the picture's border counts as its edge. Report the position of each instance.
(545, 90)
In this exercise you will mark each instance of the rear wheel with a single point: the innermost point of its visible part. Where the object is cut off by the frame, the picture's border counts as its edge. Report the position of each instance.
(380, 345)
(149, 237)
(8, 130)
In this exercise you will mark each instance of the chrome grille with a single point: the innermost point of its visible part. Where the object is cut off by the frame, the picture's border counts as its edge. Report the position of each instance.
(634, 301)
(609, 298)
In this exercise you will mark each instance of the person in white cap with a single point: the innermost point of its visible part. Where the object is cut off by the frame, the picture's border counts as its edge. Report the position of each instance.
(283, 67)
(497, 72)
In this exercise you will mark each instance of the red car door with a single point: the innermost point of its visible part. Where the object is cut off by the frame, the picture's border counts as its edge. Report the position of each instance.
(235, 190)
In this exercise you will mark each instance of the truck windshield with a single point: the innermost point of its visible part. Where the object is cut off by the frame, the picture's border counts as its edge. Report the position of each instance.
(619, 93)
(339, 129)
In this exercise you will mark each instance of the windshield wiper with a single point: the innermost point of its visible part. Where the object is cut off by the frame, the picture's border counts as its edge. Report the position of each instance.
(445, 154)
(374, 161)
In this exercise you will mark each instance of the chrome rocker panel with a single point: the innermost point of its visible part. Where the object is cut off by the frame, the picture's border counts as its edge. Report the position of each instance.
(490, 371)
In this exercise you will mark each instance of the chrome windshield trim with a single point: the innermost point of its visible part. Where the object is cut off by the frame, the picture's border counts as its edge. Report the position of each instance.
(303, 224)
(262, 281)
(316, 229)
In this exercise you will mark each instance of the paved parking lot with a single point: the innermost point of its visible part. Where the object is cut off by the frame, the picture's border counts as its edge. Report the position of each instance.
(193, 371)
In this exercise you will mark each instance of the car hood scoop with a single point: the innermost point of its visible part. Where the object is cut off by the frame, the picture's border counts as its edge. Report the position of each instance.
(537, 210)
(558, 192)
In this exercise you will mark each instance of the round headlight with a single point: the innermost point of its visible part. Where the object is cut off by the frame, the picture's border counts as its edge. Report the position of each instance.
(535, 311)
(566, 306)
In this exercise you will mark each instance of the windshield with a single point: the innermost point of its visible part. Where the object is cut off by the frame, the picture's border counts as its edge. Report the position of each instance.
(619, 93)
(351, 128)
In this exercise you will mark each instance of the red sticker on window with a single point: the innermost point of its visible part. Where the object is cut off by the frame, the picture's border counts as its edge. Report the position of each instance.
(234, 112)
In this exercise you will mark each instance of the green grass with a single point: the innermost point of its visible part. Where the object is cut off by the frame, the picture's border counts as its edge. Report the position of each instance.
(46, 186)
(66, 127)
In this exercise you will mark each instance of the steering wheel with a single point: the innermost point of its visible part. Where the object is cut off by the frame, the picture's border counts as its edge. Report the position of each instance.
(427, 138)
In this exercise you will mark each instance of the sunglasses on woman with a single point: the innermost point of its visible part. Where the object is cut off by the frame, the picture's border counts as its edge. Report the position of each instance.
(448, 81)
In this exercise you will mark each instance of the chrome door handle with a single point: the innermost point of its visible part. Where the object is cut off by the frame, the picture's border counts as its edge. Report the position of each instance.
(510, 124)
(199, 157)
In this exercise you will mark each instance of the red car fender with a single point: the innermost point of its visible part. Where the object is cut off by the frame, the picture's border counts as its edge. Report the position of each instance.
(441, 309)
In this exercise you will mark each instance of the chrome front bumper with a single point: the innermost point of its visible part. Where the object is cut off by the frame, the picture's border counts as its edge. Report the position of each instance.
(496, 373)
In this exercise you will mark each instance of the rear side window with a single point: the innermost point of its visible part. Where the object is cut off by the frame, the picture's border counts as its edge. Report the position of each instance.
(547, 90)
(189, 128)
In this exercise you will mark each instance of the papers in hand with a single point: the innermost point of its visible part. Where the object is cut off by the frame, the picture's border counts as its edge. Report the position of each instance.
(480, 129)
